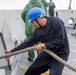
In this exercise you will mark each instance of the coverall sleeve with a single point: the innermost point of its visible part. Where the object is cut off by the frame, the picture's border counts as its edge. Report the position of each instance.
(45, 3)
(40, 5)
(59, 35)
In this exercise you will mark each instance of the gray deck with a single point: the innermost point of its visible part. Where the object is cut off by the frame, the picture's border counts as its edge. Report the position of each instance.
(72, 57)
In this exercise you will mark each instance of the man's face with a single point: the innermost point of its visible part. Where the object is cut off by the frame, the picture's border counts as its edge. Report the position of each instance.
(34, 23)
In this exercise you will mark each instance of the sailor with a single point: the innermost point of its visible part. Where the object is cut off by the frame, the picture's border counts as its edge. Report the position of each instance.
(51, 8)
(28, 27)
(52, 34)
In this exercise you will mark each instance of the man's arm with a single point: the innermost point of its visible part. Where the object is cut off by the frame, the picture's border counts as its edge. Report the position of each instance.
(27, 43)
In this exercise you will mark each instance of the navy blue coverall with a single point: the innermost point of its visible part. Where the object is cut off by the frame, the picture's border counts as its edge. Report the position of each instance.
(53, 34)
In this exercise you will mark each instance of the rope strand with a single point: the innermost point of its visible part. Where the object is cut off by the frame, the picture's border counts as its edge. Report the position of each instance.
(47, 51)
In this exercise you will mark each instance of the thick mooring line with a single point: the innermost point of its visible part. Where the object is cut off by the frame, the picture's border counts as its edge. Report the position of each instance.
(47, 51)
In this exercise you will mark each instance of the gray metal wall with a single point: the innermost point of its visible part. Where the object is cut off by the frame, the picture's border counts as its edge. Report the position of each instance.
(65, 15)
(13, 29)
